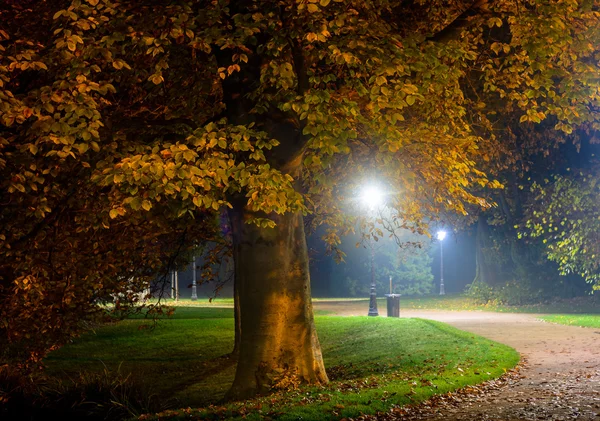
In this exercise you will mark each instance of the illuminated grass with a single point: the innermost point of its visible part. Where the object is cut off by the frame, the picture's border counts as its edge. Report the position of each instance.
(450, 302)
(584, 320)
(373, 363)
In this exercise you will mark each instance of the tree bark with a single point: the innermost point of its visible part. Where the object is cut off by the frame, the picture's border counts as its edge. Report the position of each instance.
(237, 321)
(278, 343)
(485, 270)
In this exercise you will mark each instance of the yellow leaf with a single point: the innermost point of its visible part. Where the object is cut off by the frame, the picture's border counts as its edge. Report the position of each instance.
(311, 36)
(312, 8)
(146, 205)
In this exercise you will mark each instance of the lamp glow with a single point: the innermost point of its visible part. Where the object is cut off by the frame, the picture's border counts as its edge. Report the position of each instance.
(441, 235)
(372, 196)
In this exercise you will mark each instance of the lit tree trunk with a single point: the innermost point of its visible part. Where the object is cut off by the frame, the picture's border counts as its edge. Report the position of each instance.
(278, 339)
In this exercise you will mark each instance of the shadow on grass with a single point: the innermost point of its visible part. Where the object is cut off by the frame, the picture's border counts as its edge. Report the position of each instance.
(186, 359)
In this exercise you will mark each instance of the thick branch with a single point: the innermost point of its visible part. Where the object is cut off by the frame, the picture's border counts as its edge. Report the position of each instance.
(452, 31)
(299, 67)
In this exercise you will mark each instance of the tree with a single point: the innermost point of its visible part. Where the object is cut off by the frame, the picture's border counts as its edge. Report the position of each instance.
(403, 255)
(272, 110)
(564, 213)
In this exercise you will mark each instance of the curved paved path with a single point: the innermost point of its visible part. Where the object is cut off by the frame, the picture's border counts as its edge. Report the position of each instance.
(560, 380)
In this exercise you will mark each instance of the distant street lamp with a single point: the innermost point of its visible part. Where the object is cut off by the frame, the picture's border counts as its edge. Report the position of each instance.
(372, 197)
(174, 285)
(194, 292)
(440, 236)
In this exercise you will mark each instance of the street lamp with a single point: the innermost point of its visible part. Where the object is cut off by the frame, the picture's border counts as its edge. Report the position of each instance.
(174, 285)
(373, 198)
(194, 291)
(440, 236)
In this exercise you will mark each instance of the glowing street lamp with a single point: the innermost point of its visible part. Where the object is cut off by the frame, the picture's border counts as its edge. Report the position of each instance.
(372, 197)
(440, 236)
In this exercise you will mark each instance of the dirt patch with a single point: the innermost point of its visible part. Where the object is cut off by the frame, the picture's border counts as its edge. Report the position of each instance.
(560, 381)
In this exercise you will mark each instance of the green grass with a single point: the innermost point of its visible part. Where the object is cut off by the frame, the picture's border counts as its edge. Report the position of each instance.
(200, 302)
(372, 363)
(459, 302)
(585, 320)
(450, 302)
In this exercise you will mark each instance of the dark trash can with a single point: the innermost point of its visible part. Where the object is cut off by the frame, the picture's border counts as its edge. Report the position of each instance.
(393, 305)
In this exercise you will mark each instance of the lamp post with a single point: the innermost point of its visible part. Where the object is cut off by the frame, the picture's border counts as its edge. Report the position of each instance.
(373, 198)
(194, 292)
(372, 294)
(174, 285)
(440, 236)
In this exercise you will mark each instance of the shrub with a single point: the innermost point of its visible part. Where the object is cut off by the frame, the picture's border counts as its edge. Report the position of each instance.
(479, 292)
(512, 293)
(91, 396)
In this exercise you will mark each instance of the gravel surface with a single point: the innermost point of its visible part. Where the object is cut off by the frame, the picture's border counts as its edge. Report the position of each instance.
(558, 380)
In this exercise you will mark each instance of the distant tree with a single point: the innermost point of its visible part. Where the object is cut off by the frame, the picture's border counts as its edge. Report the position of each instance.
(122, 120)
(411, 271)
(408, 263)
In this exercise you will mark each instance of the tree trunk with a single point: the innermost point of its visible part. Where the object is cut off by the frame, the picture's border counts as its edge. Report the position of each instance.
(278, 343)
(486, 271)
(237, 321)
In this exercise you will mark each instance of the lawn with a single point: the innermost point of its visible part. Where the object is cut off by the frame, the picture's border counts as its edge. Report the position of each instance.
(373, 363)
(455, 302)
(585, 320)
(450, 302)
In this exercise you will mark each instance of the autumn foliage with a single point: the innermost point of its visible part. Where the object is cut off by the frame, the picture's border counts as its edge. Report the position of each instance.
(126, 128)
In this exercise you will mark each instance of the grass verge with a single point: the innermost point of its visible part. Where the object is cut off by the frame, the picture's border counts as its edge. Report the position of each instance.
(450, 302)
(584, 320)
(373, 364)
(459, 302)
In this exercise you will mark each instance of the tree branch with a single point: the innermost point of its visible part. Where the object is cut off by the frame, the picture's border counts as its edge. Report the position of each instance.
(453, 29)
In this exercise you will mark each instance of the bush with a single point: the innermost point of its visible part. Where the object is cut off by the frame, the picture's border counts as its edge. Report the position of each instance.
(512, 293)
(92, 396)
(480, 293)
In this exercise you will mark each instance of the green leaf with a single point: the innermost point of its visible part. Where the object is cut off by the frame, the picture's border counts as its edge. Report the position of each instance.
(136, 203)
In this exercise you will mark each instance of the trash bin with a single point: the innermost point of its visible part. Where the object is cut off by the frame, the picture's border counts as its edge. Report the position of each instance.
(393, 305)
